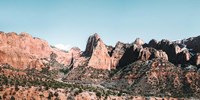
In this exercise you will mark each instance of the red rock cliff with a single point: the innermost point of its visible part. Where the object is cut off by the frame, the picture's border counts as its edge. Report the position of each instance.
(24, 51)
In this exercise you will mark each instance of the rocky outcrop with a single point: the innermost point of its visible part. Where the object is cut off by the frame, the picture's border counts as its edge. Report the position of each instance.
(195, 60)
(138, 42)
(110, 50)
(193, 43)
(117, 53)
(144, 54)
(153, 43)
(170, 48)
(131, 54)
(156, 77)
(91, 44)
(183, 57)
(98, 52)
(158, 54)
(135, 52)
(179, 52)
(24, 51)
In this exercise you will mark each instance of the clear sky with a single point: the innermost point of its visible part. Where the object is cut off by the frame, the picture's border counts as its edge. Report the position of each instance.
(70, 22)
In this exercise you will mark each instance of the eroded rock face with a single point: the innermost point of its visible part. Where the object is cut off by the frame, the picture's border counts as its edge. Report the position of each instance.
(171, 49)
(110, 50)
(100, 58)
(131, 54)
(144, 54)
(158, 54)
(117, 53)
(153, 43)
(135, 53)
(91, 44)
(138, 42)
(154, 76)
(183, 57)
(24, 51)
(196, 59)
(193, 43)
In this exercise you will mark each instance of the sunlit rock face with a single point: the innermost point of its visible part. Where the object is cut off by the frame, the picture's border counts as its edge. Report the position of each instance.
(24, 51)
(98, 52)
(91, 44)
(138, 42)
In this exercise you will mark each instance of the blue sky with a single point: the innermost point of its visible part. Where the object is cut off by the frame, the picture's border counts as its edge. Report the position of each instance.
(70, 22)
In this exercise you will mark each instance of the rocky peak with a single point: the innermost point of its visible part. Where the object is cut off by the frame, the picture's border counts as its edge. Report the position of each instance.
(153, 43)
(91, 44)
(24, 34)
(138, 42)
(98, 53)
(117, 53)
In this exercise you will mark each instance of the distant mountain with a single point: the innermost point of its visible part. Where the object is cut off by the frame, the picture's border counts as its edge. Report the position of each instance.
(160, 69)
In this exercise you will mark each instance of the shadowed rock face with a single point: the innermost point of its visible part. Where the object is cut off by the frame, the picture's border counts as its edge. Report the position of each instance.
(195, 60)
(170, 48)
(136, 52)
(183, 57)
(193, 43)
(176, 51)
(91, 44)
(153, 43)
(131, 54)
(117, 53)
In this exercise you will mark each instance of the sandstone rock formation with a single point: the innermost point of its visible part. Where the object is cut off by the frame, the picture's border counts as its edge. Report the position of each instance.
(117, 53)
(193, 43)
(91, 44)
(196, 59)
(156, 77)
(98, 51)
(153, 43)
(131, 54)
(138, 42)
(24, 51)
(135, 52)
(183, 57)
(158, 54)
